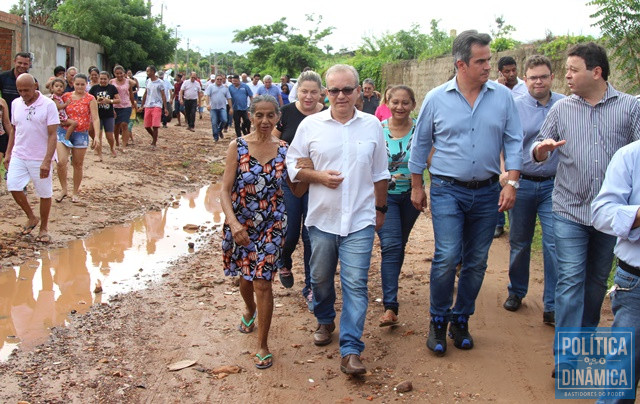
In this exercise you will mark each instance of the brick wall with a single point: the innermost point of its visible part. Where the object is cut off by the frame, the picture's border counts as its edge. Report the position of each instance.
(10, 38)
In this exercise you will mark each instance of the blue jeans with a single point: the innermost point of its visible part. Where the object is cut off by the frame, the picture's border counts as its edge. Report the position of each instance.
(502, 220)
(394, 235)
(463, 224)
(354, 253)
(296, 215)
(533, 197)
(218, 121)
(625, 303)
(584, 256)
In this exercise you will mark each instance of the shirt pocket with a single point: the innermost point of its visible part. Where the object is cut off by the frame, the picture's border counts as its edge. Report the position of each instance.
(364, 151)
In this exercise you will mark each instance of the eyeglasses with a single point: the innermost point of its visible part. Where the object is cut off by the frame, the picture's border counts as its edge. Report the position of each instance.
(544, 77)
(335, 91)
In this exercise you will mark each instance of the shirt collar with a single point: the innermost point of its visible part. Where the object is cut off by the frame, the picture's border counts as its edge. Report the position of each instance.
(36, 103)
(326, 116)
(453, 85)
(608, 94)
(535, 103)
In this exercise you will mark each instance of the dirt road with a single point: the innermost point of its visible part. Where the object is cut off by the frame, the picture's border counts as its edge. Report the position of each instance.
(119, 350)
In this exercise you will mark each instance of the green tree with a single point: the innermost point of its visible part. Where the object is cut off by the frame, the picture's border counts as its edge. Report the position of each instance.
(619, 21)
(402, 45)
(280, 47)
(40, 11)
(125, 28)
(502, 36)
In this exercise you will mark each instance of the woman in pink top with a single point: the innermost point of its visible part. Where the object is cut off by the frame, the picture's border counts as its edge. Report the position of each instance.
(127, 104)
(383, 112)
(84, 110)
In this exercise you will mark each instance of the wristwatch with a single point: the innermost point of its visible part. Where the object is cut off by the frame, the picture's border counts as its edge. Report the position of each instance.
(514, 183)
(382, 209)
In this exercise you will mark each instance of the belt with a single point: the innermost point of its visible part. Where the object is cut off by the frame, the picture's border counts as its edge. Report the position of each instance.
(470, 184)
(536, 179)
(629, 268)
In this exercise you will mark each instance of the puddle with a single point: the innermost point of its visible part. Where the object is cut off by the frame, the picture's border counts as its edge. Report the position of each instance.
(41, 293)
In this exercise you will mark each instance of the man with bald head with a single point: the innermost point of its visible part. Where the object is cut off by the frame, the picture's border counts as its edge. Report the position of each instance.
(30, 151)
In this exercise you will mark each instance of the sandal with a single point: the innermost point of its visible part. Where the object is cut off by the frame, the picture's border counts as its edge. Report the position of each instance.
(286, 277)
(44, 238)
(248, 325)
(27, 229)
(262, 364)
(388, 319)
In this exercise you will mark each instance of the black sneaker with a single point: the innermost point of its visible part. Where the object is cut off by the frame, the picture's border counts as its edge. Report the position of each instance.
(512, 303)
(549, 318)
(459, 332)
(437, 340)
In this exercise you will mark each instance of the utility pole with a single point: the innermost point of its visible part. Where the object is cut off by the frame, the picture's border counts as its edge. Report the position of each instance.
(188, 68)
(175, 61)
(28, 20)
(210, 69)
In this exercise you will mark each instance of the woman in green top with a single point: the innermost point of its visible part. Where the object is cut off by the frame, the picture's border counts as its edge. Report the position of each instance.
(401, 215)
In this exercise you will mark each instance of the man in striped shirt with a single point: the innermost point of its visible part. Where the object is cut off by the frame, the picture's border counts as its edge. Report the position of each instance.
(586, 128)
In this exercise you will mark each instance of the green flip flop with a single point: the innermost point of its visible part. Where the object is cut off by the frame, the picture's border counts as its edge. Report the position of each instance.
(249, 324)
(262, 359)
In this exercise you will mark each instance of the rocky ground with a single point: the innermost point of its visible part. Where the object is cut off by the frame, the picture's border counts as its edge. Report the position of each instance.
(120, 350)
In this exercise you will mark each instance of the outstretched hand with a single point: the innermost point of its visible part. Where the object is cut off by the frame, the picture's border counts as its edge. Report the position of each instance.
(547, 146)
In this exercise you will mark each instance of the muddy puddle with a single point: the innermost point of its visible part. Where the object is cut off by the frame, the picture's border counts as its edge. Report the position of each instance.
(41, 294)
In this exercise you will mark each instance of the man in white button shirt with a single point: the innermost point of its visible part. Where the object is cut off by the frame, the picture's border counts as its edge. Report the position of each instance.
(347, 203)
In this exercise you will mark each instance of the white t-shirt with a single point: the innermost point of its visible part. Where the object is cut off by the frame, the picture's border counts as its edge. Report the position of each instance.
(358, 150)
(31, 122)
(154, 93)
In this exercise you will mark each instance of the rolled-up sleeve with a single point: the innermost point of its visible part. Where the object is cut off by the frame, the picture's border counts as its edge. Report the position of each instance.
(512, 138)
(423, 139)
(380, 166)
(611, 211)
(297, 149)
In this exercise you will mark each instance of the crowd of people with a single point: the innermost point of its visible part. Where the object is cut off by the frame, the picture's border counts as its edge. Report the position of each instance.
(488, 147)
(338, 175)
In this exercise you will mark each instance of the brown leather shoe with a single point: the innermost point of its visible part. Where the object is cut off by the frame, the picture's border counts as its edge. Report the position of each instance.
(352, 365)
(322, 336)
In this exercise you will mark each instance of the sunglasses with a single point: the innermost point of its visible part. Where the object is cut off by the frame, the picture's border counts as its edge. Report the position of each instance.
(346, 91)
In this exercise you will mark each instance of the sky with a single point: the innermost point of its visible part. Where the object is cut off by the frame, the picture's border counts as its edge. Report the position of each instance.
(201, 24)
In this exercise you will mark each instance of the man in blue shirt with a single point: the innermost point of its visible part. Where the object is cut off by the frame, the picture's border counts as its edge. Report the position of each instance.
(468, 121)
(218, 98)
(508, 76)
(616, 211)
(534, 194)
(240, 95)
(270, 89)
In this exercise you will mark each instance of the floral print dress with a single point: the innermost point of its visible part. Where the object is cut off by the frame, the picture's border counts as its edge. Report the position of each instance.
(258, 204)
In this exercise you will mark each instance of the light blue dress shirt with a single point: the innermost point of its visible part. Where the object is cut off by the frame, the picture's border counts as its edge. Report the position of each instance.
(532, 115)
(615, 207)
(468, 140)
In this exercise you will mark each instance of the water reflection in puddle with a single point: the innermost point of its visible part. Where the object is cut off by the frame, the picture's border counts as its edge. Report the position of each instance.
(41, 293)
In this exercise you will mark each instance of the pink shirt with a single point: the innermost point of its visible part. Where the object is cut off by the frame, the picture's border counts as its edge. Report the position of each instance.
(123, 92)
(31, 122)
(383, 112)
